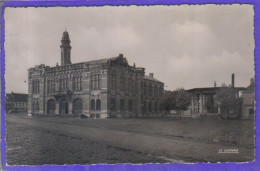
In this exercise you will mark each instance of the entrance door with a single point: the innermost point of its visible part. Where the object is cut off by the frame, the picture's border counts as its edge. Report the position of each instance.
(64, 106)
(51, 104)
(77, 106)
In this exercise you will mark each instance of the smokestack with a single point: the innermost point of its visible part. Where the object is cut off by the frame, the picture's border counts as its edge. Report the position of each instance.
(233, 80)
(151, 75)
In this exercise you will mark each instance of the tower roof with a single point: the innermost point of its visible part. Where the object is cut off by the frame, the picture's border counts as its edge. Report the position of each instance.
(65, 36)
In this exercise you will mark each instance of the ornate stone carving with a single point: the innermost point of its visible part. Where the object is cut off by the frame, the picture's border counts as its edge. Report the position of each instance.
(67, 95)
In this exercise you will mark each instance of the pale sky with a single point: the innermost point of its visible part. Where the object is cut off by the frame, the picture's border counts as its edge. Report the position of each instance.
(185, 46)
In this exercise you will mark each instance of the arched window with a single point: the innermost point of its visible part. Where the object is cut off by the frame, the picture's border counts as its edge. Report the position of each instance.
(95, 81)
(98, 104)
(77, 82)
(77, 106)
(92, 105)
(35, 86)
(113, 80)
(51, 106)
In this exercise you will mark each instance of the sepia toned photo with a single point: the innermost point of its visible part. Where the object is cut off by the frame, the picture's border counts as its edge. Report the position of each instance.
(129, 84)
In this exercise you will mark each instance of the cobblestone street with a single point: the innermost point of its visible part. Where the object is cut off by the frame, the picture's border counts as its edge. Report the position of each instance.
(35, 141)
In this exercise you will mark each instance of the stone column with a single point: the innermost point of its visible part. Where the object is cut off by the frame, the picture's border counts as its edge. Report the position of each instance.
(219, 111)
(192, 104)
(70, 79)
(70, 107)
(203, 103)
(118, 110)
(41, 96)
(200, 111)
(138, 102)
(29, 98)
(103, 94)
(86, 104)
(57, 107)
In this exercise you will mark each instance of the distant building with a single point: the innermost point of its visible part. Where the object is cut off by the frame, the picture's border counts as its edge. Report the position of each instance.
(248, 105)
(16, 102)
(101, 88)
(203, 99)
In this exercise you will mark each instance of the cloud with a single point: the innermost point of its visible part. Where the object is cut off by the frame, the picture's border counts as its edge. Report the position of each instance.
(184, 46)
(203, 73)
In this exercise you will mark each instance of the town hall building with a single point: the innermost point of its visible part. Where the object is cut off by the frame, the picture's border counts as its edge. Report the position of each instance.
(103, 88)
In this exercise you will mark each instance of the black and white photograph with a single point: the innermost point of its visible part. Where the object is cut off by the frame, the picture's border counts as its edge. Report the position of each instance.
(129, 84)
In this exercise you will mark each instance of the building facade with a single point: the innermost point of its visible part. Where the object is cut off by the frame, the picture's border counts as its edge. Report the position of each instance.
(102, 88)
(203, 100)
(248, 105)
(16, 102)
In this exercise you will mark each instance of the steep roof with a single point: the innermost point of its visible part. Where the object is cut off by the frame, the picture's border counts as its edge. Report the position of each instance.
(250, 88)
(151, 78)
(97, 61)
(100, 61)
(16, 97)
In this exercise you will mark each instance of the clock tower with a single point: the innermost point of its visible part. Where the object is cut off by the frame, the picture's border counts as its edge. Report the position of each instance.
(65, 49)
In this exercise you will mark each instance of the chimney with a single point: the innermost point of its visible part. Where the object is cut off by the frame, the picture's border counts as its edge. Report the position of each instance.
(151, 75)
(233, 80)
(215, 84)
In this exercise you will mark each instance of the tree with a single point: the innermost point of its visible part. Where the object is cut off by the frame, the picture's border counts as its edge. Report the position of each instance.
(182, 99)
(178, 100)
(228, 100)
(169, 100)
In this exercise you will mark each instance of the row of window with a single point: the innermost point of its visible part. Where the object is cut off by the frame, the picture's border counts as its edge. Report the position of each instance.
(130, 85)
(124, 84)
(36, 86)
(96, 105)
(20, 104)
(77, 105)
(122, 105)
(152, 91)
(63, 84)
(76, 84)
(150, 107)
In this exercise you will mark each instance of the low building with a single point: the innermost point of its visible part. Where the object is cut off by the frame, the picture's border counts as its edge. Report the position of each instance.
(203, 100)
(102, 88)
(16, 102)
(248, 104)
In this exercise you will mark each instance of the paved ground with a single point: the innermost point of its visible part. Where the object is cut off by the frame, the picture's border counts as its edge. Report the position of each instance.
(85, 141)
(39, 146)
